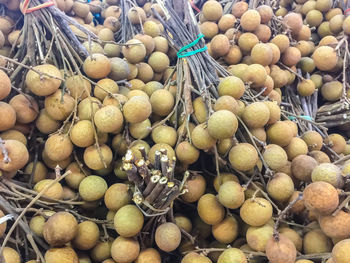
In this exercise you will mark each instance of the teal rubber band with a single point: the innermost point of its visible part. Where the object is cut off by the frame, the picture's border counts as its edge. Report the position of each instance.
(182, 53)
(302, 116)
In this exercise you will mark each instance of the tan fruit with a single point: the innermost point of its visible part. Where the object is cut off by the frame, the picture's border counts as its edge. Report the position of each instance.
(92, 157)
(291, 56)
(262, 54)
(87, 108)
(137, 109)
(140, 130)
(87, 236)
(226, 231)
(9, 255)
(162, 102)
(255, 75)
(210, 210)
(346, 25)
(158, 61)
(61, 255)
(336, 142)
(160, 147)
(14, 135)
(212, 10)
(306, 87)
(329, 173)
(104, 86)
(226, 103)
(101, 251)
(320, 157)
(259, 133)
(17, 154)
(60, 228)
(125, 250)
(281, 41)
(313, 140)
(293, 236)
(220, 45)
(97, 66)
(222, 124)
(195, 257)
(243, 157)
(43, 85)
(323, 5)
(325, 58)
(256, 212)
(296, 147)
(7, 116)
(247, 41)
(82, 134)
(128, 221)
(265, 12)
(231, 195)
(134, 52)
(335, 226)
(200, 110)
(92, 188)
(231, 86)
(233, 56)
(59, 107)
(78, 87)
(168, 237)
(108, 119)
(293, 21)
(117, 196)
(232, 255)
(263, 32)
(149, 255)
(183, 222)
(5, 86)
(239, 8)
(256, 115)
(316, 241)
(340, 252)
(58, 147)
(332, 91)
(279, 133)
(55, 191)
(314, 18)
(151, 28)
(209, 29)
(302, 167)
(258, 236)
(280, 187)
(186, 153)
(281, 250)
(2, 225)
(201, 138)
(250, 20)
(195, 186)
(226, 22)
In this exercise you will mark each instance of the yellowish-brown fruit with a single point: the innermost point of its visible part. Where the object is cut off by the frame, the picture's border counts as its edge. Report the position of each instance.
(108, 119)
(45, 123)
(117, 196)
(17, 154)
(226, 231)
(262, 54)
(232, 255)
(226, 103)
(239, 8)
(125, 249)
(158, 61)
(5, 86)
(212, 10)
(183, 222)
(256, 115)
(314, 18)
(195, 257)
(306, 87)
(209, 29)
(9, 255)
(140, 130)
(302, 167)
(256, 212)
(60, 228)
(201, 138)
(281, 250)
(137, 109)
(14, 135)
(281, 41)
(325, 58)
(333, 12)
(134, 52)
(42, 85)
(128, 221)
(162, 102)
(82, 134)
(257, 236)
(280, 187)
(293, 236)
(323, 5)
(346, 25)
(250, 20)
(255, 75)
(226, 22)
(210, 210)
(265, 12)
(291, 56)
(101, 251)
(97, 66)
(231, 86)
(136, 15)
(280, 133)
(247, 41)
(149, 255)
(220, 45)
(186, 153)
(195, 186)
(328, 41)
(61, 255)
(336, 142)
(77, 175)
(321, 197)
(313, 140)
(87, 235)
(233, 56)
(58, 147)
(105, 86)
(59, 107)
(222, 124)
(92, 157)
(151, 28)
(263, 32)
(87, 108)
(315, 241)
(7, 116)
(335, 226)
(78, 87)
(92, 188)
(296, 147)
(168, 237)
(293, 21)
(2, 225)
(231, 195)
(327, 172)
(243, 157)
(332, 91)
(340, 252)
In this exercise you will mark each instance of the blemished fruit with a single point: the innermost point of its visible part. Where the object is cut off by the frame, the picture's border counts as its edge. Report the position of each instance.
(195, 186)
(275, 156)
(256, 212)
(117, 196)
(281, 250)
(303, 166)
(128, 221)
(17, 154)
(92, 157)
(137, 109)
(256, 115)
(7, 116)
(55, 191)
(335, 226)
(60, 228)
(250, 20)
(168, 236)
(149, 255)
(329, 173)
(58, 147)
(97, 66)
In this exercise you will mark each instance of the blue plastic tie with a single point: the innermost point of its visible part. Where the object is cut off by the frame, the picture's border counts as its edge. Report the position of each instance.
(308, 118)
(182, 53)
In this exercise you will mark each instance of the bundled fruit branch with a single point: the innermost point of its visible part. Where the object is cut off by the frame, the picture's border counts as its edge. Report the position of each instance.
(154, 134)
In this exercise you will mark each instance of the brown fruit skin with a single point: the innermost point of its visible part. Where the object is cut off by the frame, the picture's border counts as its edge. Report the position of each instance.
(186, 153)
(239, 8)
(149, 255)
(210, 210)
(336, 142)
(226, 231)
(54, 192)
(313, 140)
(58, 147)
(280, 187)
(281, 251)
(256, 115)
(57, 108)
(279, 133)
(87, 235)
(332, 91)
(168, 237)
(137, 109)
(293, 236)
(341, 251)
(294, 21)
(195, 186)
(325, 58)
(201, 138)
(220, 45)
(7, 116)
(315, 241)
(117, 196)
(97, 67)
(212, 10)
(243, 157)
(209, 29)
(18, 154)
(254, 214)
(232, 255)
(125, 250)
(9, 255)
(5, 86)
(291, 56)
(250, 20)
(302, 167)
(336, 226)
(321, 197)
(60, 228)
(3, 225)
(43, 86)
(128, 221)
(231, 194)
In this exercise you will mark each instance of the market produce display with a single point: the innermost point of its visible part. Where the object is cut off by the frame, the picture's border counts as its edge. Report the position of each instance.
(174, 131)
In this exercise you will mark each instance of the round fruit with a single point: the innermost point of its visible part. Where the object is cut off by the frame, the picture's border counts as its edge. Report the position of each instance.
(168, 237)
(220, 45)
(296, 147)
(232, 255)
(256, 212)
(125, 249)
(231, 86)
(262, 54)
(247, 41)
(325, 58)
(201, 138)
(5, 86)
(280, 187)
(315, 241)
(87, 236)
(18, 156)
(92, 188)
(256, 115)
(340, 252)
(222, 124)
(128, 221)
(212, 10)
(158, 61)
(137, 109)
(332, 91)
(117, 196)
(149, 255)
(55, 191)
(243, 157)
(250, 20)
(306, 87)
(226, 231)
(293, 21)
(329, 173)
(7, 116)
(257, 237)
(231, 194)
(195, 186)
(279, 133)
(313, 140)
(186, 153)
(335, 226)
(134, 51)
(59, 107)
(210, 210)
(162, 102)
(78, 86)
(281, 250)
(275, 156)
(255, 75)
